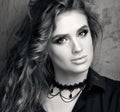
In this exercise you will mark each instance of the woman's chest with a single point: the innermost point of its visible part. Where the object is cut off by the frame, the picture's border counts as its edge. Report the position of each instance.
(56, 104)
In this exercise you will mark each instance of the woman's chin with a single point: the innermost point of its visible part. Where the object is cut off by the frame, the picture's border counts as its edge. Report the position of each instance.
(80, 69)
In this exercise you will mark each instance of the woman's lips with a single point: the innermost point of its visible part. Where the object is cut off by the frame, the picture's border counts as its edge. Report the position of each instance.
(79, 60)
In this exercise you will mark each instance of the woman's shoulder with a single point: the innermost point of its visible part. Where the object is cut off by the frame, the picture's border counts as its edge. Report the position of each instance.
(108, 83)
(110, 94)
(111, 85)
(111, 82)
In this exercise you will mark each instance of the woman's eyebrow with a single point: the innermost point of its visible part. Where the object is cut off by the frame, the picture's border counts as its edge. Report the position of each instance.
(81, 28)
(64, 35)
(59, 35)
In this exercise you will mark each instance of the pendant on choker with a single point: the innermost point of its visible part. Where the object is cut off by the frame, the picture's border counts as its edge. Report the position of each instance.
(72, 91)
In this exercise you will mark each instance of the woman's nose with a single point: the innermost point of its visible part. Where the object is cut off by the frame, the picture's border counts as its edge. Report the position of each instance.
(76, 46)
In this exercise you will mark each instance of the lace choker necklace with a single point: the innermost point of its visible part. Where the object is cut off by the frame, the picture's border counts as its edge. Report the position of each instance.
(72, 91)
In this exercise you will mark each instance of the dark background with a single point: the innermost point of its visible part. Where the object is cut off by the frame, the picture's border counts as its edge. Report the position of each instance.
(107, 53)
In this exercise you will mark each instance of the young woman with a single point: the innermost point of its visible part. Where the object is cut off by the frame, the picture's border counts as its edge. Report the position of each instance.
(48, 70)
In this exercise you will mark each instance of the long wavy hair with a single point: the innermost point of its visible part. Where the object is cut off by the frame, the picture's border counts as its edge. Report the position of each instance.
(29, 72)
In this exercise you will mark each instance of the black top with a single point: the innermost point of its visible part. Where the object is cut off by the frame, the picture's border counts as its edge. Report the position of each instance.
(100, 95)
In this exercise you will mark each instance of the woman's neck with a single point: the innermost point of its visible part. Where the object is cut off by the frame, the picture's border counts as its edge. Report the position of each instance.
(70, 78)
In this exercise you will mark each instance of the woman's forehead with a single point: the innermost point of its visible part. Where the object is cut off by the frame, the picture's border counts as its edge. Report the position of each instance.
(69, 21)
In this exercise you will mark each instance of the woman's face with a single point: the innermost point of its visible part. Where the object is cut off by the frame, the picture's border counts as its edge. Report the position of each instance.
(70, 47)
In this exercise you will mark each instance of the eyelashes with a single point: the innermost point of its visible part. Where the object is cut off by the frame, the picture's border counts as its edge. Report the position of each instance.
(82, 33)
(61, 39)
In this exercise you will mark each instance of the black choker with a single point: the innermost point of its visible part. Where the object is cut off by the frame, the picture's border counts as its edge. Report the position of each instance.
(70, 88)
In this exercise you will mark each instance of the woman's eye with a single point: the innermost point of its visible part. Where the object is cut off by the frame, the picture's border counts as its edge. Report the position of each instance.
(61, 40)
(83, 33)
